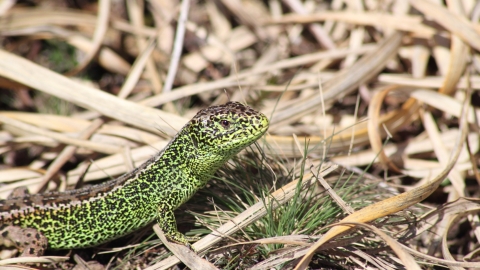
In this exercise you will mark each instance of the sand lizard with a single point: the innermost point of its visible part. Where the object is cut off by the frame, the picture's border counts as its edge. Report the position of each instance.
(94, 215)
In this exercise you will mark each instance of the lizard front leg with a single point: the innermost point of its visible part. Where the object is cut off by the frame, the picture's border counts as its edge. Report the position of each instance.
(166, 221)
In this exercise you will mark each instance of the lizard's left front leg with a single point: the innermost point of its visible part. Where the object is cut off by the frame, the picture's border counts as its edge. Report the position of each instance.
(166, 221)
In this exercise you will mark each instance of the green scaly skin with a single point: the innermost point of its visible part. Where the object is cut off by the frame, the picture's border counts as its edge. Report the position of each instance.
(94, 215)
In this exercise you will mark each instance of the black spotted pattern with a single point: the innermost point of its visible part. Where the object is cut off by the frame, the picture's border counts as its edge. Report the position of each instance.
(91, 216)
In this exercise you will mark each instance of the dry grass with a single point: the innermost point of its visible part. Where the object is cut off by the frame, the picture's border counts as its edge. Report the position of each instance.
(384, 81)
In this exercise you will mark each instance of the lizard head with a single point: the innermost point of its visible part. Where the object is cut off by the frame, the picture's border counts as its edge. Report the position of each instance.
(220, 132)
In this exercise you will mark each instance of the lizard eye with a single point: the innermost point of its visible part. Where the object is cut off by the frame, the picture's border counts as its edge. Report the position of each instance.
(225, 123)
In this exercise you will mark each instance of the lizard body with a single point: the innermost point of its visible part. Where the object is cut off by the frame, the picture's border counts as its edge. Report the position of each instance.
(94, 215)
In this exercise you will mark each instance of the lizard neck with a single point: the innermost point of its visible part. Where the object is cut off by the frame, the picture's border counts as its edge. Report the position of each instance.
(196, 164)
